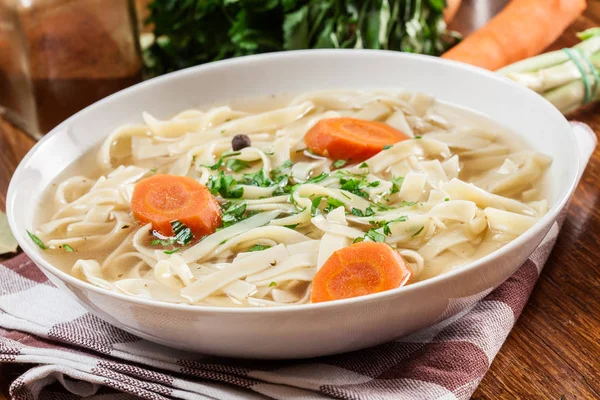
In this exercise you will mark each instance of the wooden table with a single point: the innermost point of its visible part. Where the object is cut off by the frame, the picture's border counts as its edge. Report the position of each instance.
(553, 352)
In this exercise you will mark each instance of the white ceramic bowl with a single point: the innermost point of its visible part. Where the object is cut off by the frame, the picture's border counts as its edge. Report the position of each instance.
(312, 329)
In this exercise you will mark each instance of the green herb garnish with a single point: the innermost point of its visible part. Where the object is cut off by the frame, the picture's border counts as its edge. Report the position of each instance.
(396, 184)
(315, 205)
(260, 179)
(68, 248)
(37, 241)
(230, 154)
(215, 166)
(389, 146)
(172, 251)
(258, 247)
(419, 231)
(225, 185)
(293, 226)
(447, 199)
(418, 137)
(405, 203)
(162, 242)
(318, 178)
(183, 234)
(357, 212)
(333, 203)
(339, 163)
(375, 236)
(236, 165)
(272, 284)
(232, 213)
(363, 165)
(353, 186)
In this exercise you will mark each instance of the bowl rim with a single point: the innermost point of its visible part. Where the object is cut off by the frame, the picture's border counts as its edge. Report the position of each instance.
(35, 255)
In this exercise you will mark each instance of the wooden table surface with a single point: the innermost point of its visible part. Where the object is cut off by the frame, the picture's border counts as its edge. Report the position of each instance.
(553, 352)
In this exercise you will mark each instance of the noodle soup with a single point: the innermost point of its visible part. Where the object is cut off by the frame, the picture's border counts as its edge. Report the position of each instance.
(451, 188)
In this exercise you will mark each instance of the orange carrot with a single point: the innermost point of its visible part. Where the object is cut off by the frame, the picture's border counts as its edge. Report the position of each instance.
(522, 30)
(162, 199)
(360, 269)
(351, 139)
(451, 10)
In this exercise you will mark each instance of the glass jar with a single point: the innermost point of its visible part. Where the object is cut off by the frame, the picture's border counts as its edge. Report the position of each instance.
(16, 97)
(78, 51)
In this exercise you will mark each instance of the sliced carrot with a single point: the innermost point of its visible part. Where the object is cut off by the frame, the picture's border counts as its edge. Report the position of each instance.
(351, 139)
(451, 10)
(522, 30)
(161, 199)
(357, 270)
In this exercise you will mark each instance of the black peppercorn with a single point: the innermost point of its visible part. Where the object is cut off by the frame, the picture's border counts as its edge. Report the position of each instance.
(240, 142)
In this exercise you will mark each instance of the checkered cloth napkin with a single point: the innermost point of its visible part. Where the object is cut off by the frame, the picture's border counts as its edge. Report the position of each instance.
(64, 343)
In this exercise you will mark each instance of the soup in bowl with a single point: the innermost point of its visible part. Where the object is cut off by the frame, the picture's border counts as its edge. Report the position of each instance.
(292, 200)
(202, 211)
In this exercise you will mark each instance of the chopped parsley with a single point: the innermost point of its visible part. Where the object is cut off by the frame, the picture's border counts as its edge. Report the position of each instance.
(230, 154)
(225, 186)
(374, 184)
(260, 179)
(358, 239)
(172, 251)
(68, 248)
(339, 163)
(232, 213)
(375, 236)
(396, 184)
(333, 203)
(419, 231)
(280, 170)
(405, 203)
(215, 166)
(354, 186)
(161, 242)
(153, 170)
(258, 247)
(357, 212)
(37, 241)
(183, 234)
(386, 230)
(293, 226)
(315, 205)
(389, 146)
(403, 218)
(236, 165)
(418, 137)
(272, 284)
(447, 199)
(363, 165)
(318, 178)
